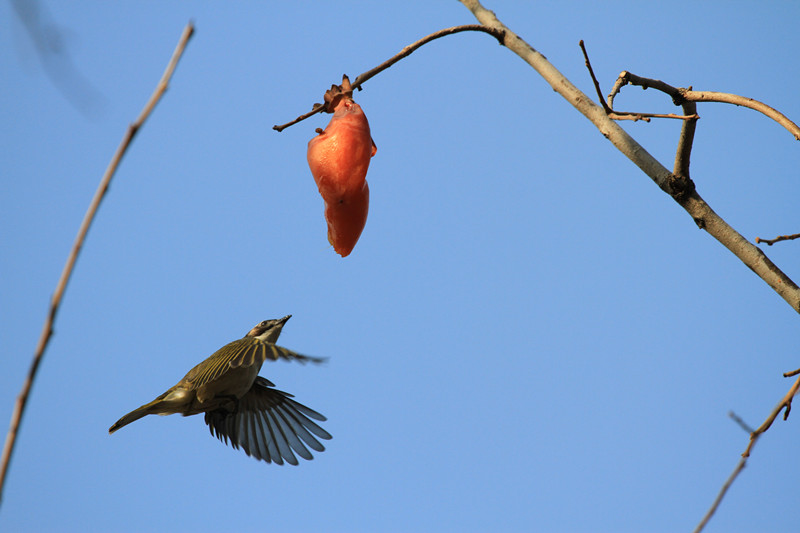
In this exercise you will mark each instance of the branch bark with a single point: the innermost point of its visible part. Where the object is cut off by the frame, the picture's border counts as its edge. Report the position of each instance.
(680, 187)
(677, 185)
(55, 302)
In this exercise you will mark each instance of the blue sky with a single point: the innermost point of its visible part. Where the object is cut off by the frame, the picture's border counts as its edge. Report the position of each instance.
(529, 336)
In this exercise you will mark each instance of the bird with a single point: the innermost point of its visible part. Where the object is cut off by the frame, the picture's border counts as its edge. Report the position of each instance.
(241, 407)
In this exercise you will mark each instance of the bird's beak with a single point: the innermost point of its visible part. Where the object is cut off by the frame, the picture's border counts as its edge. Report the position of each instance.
(283, 320)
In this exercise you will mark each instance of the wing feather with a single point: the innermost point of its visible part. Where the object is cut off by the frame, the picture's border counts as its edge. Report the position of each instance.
(269, 425)
(245, 352)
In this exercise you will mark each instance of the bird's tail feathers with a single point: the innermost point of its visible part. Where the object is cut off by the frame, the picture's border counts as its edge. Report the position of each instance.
(133, 416)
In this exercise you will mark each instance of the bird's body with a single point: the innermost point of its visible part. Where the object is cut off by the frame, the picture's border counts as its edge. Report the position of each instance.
(239, 405)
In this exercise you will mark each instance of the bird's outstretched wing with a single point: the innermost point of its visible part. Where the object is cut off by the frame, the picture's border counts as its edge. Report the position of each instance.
(257, 352)
(269, 425)
(246, 352)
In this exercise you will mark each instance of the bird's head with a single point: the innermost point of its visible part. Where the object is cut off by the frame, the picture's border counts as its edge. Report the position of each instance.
(268, 330)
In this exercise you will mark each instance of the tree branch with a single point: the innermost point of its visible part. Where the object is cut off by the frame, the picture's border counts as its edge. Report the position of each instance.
(722, 492)
(786, 402)
(791, 373)
(679, 96)
(47, 330)
(405, 52)
(742, 424)
(779, 238)
(625, 115)
(685, 141)
(681, 188)
(608, 108)
(735, 99)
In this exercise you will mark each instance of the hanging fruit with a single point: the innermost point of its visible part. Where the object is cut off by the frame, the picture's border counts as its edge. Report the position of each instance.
(339, 158)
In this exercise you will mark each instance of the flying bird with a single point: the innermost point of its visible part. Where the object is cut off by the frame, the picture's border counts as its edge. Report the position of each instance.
(241, 407)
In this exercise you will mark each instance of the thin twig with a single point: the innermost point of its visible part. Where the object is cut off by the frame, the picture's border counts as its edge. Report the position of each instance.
(735, 99)
(616, 88)
(686, 139)
(791, 373)
(47, 330)
(688, 95)
(625, 115)
(634, 116)
(405, 52)
(722, 492)
(785, 403)
(742, 424)
(754, 435)
(318, 108)
(779, 238)
(626, 78)
(594, 78)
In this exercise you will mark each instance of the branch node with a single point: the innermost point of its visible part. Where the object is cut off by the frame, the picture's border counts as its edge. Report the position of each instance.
(681, 188)
(498, 34)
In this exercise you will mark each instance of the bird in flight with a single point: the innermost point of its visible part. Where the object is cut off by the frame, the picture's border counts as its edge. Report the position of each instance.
(241, 407)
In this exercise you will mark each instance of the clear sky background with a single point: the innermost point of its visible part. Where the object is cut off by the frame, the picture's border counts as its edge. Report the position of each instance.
(529, 336)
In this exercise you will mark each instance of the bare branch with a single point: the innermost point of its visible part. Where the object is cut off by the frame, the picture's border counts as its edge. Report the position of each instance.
(405, 52)
(735, 99)
(786, 402)
(47, 330)
(779, 238)
(687, 98)
(594, 78)
(634, 116)
(679, 96)
(626, 77)
(685, 141)
(722, 492)
(625, 115)
(681, 188)
(742, 424)
(616, 88)
(791, 373)
(54, 53)
(317, 108)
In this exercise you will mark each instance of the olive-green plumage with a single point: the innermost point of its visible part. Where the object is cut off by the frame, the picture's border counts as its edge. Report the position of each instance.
(239, 405)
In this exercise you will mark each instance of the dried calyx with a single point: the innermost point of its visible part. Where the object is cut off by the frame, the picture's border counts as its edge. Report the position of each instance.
(336, 94)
